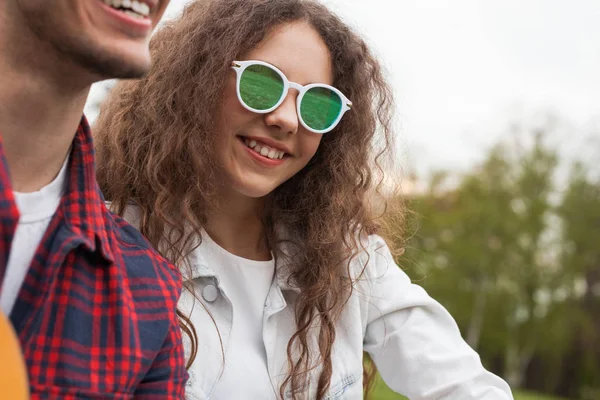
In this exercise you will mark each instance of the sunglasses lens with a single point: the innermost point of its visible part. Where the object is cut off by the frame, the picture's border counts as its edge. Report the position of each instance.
(320, 108)
(260, 87)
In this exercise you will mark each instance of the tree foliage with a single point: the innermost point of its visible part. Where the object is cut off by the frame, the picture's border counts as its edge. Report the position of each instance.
(514, 255)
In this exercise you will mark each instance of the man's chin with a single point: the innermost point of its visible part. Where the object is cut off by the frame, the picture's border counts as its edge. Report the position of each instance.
(108, 61)
(110, 65)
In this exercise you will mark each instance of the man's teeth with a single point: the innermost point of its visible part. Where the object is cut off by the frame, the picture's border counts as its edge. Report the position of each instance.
(132, 8)
(264, 150)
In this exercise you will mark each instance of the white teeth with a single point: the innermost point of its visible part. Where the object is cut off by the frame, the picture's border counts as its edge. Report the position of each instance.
(275, 155)
(264, 150)
(140, 9)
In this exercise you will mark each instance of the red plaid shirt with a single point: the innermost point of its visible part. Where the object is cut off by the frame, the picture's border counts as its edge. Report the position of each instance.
(96, 313)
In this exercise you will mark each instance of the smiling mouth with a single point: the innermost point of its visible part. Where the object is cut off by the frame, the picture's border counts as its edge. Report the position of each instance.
(132, 8)
(263, 150)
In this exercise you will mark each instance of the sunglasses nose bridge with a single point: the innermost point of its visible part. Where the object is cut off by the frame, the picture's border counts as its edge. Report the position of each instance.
(294, 85)
(299, 88)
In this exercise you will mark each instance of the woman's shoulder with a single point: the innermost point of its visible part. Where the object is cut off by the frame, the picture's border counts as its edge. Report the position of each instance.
(373, 242)
(374, 259)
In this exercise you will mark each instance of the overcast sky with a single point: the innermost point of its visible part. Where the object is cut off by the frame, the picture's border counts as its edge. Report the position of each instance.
(463, 69)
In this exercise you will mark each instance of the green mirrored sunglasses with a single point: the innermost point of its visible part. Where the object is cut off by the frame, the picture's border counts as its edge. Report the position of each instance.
(262, 87)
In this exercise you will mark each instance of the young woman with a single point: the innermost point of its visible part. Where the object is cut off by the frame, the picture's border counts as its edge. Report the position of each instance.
(246, 157)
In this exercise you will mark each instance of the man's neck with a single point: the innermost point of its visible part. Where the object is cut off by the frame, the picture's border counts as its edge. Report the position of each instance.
(37, 128)
(41, 106)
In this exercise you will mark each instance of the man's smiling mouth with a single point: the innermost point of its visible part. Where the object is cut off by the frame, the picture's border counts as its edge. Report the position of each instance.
(133, 8)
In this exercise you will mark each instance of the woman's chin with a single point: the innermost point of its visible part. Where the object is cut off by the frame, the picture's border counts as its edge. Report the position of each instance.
(255, 191)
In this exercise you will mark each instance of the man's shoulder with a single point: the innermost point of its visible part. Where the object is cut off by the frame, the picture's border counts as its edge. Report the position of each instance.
(142, 262)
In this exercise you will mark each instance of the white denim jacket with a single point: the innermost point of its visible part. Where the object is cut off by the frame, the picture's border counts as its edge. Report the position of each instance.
(413, 340)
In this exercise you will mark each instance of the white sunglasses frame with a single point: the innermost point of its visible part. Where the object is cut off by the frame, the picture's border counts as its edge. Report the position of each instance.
(240, 67)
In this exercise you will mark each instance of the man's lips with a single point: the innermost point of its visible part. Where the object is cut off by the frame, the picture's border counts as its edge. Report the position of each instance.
(132, 17)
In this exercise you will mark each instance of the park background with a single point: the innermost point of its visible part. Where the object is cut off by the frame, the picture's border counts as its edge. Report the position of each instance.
(498, 139)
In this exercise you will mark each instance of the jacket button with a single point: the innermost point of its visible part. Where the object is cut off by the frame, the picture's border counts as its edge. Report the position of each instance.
(210, 293)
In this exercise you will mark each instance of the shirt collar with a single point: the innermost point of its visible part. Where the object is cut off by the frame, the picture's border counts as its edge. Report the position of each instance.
(198, 268)
(85, 211)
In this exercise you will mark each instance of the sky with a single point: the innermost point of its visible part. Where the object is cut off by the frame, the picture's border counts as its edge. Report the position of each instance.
(463, 70)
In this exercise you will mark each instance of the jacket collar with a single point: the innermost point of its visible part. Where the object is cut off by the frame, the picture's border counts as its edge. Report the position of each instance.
(198, 268)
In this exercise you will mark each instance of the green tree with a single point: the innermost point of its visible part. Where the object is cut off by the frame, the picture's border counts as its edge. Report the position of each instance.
(580, 214)
(485, 248)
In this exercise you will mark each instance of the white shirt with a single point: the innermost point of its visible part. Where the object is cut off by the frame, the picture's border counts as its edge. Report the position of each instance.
(247, 283)
(414, 342)
(35, 213)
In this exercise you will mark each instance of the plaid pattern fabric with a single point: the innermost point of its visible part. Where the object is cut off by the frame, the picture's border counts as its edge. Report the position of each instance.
(96, 313)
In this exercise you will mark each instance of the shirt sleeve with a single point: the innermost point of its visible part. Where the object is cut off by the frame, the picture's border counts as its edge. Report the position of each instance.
(167, 376)
(415, 343)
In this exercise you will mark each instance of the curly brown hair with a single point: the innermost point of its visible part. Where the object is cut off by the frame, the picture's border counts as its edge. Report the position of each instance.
(147, 129)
